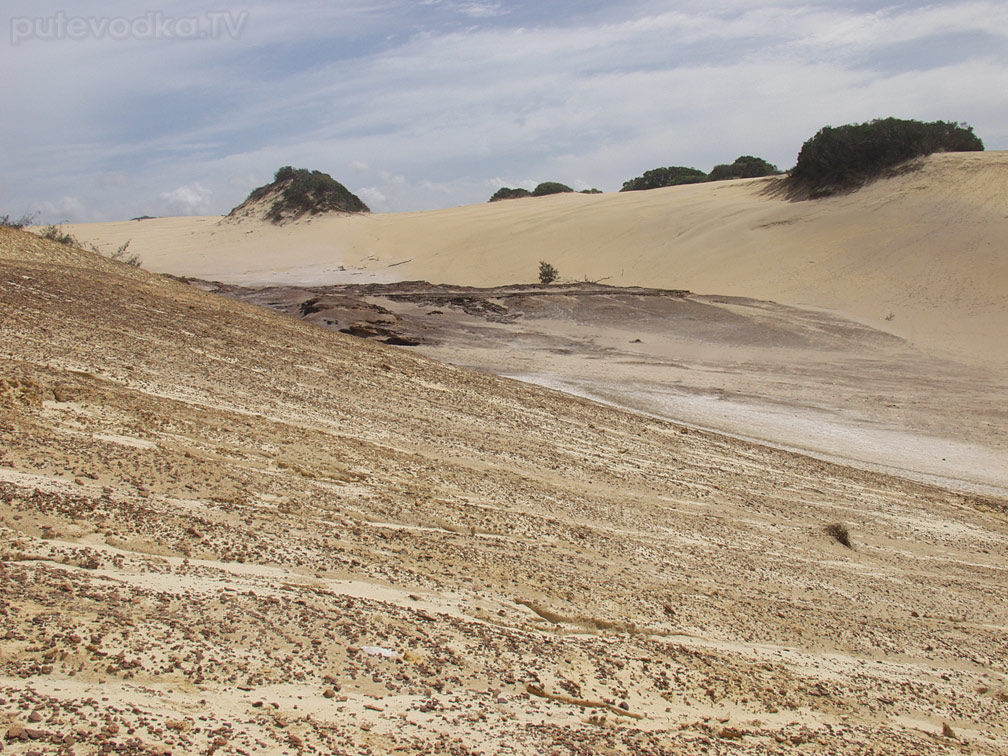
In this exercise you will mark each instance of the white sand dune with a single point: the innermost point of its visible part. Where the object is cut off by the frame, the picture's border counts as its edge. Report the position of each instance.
(928, 248)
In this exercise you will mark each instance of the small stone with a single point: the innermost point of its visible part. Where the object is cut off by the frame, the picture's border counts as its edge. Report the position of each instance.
(35, 716)
(16, 732)
(34, 734)
(730, 733)
(329, 693)
(947, 731)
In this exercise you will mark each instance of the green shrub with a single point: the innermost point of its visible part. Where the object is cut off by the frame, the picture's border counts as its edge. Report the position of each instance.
(57, 234)
(504, 194)
(593, 190)
(846, 157)
(657, 178)
(550, 187)
(303, 192)
(745, 166)
(547, 273)
(311, 192)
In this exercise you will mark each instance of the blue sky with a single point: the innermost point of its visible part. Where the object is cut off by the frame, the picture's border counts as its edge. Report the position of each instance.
(114, 110)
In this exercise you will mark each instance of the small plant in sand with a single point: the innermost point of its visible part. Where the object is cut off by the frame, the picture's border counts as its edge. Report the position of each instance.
(839, 533)
(28, 219)
(57, 234)
(547, 273)
(120, 255)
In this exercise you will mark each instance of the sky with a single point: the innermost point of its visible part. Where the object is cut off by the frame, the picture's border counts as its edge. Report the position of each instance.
(114, 110)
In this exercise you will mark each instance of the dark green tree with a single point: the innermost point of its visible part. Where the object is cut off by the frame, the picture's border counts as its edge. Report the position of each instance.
(505, 193)
(845, 157)
(550, 187)
(745, 166)
(657, 178)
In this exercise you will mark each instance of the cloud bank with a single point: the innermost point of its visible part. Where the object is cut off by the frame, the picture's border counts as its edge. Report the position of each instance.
(437, 103)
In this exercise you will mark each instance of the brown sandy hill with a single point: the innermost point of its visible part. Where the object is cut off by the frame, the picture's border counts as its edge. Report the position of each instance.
(225, 530)
(927, 247)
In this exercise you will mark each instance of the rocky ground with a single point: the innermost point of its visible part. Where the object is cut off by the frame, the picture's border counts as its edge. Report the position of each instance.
(224, 530)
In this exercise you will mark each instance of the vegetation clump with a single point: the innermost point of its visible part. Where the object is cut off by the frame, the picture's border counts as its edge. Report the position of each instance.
(545, 188)
(839, 533)
(504, 193)
(547, 273)
(745, 166)
(300, 192)
(56, 233)
(28, 219)
(846, 157)
(550, 187)
(657, 178)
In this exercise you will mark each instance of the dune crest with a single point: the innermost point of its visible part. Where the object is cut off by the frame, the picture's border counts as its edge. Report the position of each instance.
(921, 255)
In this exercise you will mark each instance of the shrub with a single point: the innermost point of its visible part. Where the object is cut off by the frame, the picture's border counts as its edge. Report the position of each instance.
(311, 192)
(550, 187)
(547, 273)
(57, 234)
(849, 156)
(593, 190)
(303, 192)
(745, 166)
(28, 219)
(839, 533)
(504, 194)
(660, 177)
(120, 255)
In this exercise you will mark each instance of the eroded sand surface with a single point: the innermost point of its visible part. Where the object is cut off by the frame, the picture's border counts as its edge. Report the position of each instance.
(223, 530)
(801, 379)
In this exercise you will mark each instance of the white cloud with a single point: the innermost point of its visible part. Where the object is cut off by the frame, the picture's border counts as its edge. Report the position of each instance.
(373, 197)
(64, 210)
(191, 199)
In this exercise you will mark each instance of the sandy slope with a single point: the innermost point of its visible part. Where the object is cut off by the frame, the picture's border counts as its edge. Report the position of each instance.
(213, 518)
(928, 247)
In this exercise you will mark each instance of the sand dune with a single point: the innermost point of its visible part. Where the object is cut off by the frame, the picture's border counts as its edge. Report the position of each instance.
(927, 248)
(223, 530)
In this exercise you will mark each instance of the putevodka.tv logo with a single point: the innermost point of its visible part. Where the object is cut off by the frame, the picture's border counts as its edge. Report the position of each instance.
(152, 25)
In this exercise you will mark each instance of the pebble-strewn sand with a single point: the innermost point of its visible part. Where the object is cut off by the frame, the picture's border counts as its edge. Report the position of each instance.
(227, 531)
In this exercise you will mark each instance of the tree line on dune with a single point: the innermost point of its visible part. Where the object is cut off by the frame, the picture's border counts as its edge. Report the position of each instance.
(836, 159)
